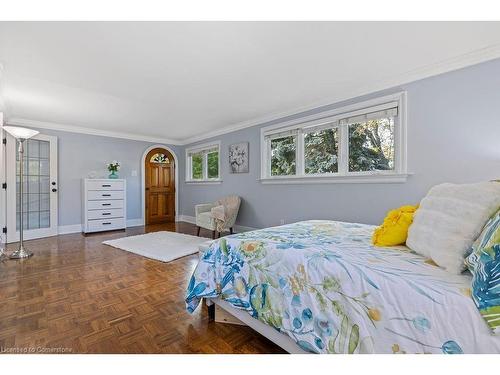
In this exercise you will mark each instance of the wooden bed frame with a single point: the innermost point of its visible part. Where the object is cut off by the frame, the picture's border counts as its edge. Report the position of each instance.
(269, 332)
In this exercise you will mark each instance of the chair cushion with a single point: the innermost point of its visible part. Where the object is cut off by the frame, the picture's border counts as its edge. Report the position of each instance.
(449, 219)
(205, 220)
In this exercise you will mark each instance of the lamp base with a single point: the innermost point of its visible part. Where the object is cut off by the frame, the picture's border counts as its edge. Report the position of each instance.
(21, 253)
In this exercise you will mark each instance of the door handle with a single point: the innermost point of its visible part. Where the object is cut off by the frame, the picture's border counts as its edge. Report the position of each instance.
(54, 190)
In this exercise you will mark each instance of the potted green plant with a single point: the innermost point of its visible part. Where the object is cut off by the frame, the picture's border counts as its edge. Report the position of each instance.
(113, 168)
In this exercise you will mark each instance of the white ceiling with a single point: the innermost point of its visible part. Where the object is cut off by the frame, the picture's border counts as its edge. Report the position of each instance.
(181, 81)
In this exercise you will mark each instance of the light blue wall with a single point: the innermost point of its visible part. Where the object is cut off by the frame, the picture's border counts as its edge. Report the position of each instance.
(453, 135)
(80, 154)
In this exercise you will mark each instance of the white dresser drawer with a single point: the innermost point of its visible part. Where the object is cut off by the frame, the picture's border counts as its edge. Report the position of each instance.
(104, 205)
(105, 224)
(93, 195)
(105, 185)
(104, 214)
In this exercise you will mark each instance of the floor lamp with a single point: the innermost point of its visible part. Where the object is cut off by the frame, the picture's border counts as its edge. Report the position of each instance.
(21, 134)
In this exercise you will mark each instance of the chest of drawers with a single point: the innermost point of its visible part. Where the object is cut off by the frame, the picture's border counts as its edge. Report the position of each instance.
(104, 205)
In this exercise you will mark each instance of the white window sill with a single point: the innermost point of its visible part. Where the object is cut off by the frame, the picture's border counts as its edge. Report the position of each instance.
(352, 179)
(203, 182)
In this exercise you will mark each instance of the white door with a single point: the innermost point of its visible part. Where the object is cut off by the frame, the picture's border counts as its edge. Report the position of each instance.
(39, 190)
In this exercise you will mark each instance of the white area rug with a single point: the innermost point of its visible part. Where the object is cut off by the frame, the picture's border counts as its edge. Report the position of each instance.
(163, 246)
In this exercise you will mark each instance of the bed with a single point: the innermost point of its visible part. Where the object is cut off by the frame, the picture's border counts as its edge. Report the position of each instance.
(323, 288)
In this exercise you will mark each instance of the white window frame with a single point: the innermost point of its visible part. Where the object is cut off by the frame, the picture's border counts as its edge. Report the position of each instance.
(202, 148)
(398, 175)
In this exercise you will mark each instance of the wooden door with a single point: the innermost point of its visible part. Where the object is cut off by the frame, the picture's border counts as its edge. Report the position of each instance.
(160, 186)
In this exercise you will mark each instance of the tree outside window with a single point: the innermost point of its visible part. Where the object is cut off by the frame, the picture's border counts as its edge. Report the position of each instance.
(283, 156)
(321, 151)
(371, 145)
(213, 164)
(197, 166)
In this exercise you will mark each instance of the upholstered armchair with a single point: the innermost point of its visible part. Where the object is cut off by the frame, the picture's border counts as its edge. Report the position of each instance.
(218, 216)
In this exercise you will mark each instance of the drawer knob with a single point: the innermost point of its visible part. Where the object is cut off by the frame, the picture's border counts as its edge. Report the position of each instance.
(106, 204)
(106, 213)
(106, 223)
(106, 195)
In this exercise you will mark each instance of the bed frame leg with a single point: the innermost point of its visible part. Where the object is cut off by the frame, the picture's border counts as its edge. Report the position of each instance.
(198, 231)
(211, 312)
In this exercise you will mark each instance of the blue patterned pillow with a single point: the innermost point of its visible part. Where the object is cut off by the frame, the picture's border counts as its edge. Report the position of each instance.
(484, 264)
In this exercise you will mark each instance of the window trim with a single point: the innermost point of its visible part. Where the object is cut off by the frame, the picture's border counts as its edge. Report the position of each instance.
(202, 148)
(397, 175)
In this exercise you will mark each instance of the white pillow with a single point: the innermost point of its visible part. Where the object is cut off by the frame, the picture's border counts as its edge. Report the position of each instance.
(449, 219)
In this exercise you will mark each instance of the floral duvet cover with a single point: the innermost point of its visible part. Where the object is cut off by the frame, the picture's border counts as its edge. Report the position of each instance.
(324, 285)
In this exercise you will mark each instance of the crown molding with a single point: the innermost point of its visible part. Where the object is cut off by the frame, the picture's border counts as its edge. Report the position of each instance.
(89, 131)
(444, 66)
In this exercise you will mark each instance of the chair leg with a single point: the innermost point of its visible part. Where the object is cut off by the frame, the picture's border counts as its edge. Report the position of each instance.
(213, 235)
(231, 230)
(198, 231)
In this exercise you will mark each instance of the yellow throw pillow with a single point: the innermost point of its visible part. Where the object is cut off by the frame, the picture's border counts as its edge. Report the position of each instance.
(394, 229)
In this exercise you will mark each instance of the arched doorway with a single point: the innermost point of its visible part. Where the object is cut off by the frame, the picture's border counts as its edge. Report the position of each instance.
(159, 167)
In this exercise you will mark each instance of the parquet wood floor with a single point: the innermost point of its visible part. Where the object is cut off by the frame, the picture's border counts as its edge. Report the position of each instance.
(78, 294)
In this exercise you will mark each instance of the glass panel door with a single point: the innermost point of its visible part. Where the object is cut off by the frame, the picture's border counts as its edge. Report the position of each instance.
(39, 188)
(36, 189)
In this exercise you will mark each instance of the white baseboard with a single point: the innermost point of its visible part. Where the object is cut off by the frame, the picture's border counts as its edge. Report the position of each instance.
(67, 229)
(135, 222)
(237, 228)
(187, 219)
(77, 228)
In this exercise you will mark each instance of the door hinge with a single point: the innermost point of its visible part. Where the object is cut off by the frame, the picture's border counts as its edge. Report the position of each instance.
(4, 141)
(4, 230)
(4, 185)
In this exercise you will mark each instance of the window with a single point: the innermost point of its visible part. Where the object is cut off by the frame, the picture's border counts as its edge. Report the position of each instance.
(283, 156)
(321, 151)
(364, 142)
(197, 166)
(203, 163)
(371, 145)
(213, 164)
(160, 159)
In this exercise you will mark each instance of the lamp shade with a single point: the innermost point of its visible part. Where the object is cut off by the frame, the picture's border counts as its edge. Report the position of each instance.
(20, 133)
